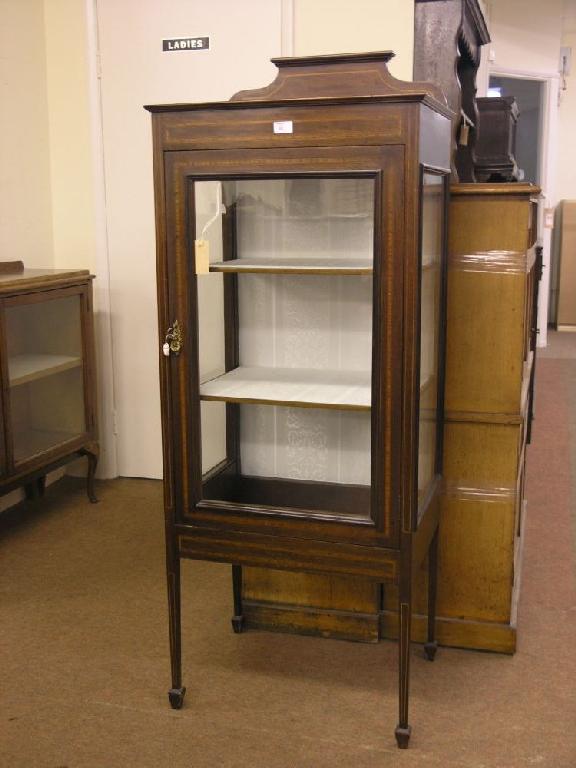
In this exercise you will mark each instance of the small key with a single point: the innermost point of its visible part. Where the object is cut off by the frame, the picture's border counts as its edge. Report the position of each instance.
(166, 349)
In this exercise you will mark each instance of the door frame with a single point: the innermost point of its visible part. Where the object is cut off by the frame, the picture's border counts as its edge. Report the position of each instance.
(548, 173)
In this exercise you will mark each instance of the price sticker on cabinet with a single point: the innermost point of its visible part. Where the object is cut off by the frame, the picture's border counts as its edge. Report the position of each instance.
(283, 126)
(202, 258)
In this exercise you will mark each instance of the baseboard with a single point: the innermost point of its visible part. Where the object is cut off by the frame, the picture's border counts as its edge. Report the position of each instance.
(341, 625)
(456, 633)
(370, 628)
(17, 496)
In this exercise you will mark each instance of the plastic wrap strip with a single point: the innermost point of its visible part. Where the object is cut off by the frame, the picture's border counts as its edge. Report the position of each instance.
(499, 262)
(479, 494)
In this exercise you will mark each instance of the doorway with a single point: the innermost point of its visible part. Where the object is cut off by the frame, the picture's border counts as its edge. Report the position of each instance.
(537, 96)
(529, 98)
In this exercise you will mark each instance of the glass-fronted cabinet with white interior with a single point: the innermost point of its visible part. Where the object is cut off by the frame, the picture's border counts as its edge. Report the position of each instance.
(301, 261)
(285, 341)
(48, 373)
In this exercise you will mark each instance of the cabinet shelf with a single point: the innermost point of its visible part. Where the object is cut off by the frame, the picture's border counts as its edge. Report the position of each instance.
(299, 266)
(31, 442)
(303, 387)
(30, 367)
(322, 217)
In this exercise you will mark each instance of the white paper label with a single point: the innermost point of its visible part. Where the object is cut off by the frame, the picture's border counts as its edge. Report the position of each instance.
(202, 258)
(283, 126)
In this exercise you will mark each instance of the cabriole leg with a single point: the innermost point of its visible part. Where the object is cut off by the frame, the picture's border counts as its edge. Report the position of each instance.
(431, 646)
(92, 453)
(35, 488)
(238, 618)
(176, 693)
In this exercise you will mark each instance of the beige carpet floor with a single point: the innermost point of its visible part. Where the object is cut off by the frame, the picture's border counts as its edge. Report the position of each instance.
(84, 652)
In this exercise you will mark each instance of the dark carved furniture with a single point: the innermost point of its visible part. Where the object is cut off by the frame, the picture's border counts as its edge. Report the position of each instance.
(48, 375)
(301, 262)
(448, 35)
(496, 145)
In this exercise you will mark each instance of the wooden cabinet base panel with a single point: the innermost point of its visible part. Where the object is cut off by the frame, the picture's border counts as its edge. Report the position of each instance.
(370, 628)
(339, 625)
(457, 633)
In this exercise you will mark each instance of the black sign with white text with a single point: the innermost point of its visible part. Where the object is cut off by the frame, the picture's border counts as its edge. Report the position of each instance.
(186, 44)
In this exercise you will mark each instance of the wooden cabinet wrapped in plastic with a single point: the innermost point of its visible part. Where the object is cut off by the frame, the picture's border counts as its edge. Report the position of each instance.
(491, 333)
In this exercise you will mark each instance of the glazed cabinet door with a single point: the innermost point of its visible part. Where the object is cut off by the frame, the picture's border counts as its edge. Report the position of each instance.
(432, 269)
(282, 285)
(45, 406)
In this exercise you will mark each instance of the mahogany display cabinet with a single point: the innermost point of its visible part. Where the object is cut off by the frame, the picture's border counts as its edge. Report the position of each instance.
(301, 278)
(48, 375)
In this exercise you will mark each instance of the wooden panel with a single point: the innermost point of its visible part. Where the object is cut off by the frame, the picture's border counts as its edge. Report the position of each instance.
(252, 128)
(476, 560)
(329, 606)
(289, 554)
(488, 222)
(305, 590)
(485, 341)
(364, 628)
(42, 279)
(456, 633)
(481, 455)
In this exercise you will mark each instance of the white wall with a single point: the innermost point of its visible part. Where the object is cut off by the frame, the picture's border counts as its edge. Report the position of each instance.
(342, 26)
(526, 34)
(566, 183)
(76, 163)
(25, 194)
(72, 184)
(526, 37)
(135, 71)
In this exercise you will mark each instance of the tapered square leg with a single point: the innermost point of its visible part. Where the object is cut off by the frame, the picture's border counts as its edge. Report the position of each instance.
(238, 618)
(176, 697)
(403, 729)
(431, 646)
(177, 691)
(402, 736)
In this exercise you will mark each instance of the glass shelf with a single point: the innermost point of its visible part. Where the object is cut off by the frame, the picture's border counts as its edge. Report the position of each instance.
(296, 266)
(31, 367)
(345, 390)
(45, 374)
(34, 441)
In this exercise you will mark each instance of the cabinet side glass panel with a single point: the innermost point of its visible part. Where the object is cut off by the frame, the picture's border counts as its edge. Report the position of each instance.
(45, 372)
(285, 342)
(430, 287)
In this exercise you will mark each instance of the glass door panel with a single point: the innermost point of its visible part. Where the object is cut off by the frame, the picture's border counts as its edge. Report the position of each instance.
(430, 287)
(45, 373)
(285, 341)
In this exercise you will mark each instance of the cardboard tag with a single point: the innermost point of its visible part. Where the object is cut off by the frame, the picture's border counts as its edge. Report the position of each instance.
(464, 133)
(202, 257)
